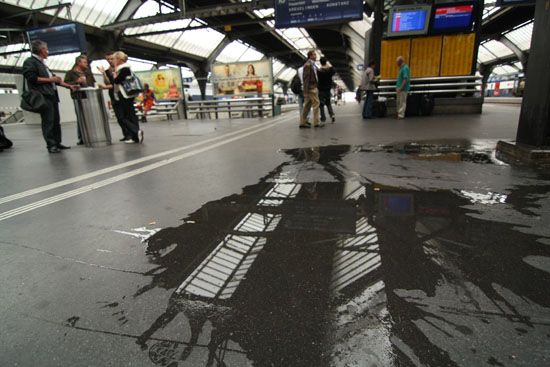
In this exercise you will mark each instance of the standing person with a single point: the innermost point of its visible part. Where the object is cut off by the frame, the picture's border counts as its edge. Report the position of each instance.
(125, 102)
(402, 86)
(367, 85)
(296, 88)
(148, 101)
(311, 93)
(81, 75)
(41, 79)
(109, 81)
(325, 74)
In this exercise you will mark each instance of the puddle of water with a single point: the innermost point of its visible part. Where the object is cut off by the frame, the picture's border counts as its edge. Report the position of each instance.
(317, 266)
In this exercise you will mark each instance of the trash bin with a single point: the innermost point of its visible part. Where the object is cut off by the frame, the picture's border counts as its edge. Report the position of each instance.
(92, 117)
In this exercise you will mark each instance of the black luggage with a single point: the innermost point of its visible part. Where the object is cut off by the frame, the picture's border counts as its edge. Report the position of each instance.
(427, 104)
(379, 108)
(4, 141)
(413, 105)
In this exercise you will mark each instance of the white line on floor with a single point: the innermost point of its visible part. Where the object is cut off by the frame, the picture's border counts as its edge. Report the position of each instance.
(55, 185)
(72, 193)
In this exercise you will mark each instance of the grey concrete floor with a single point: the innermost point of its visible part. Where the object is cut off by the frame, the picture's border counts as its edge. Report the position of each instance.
(380, 243)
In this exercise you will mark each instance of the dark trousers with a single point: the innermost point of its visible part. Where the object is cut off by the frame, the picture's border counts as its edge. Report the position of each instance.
(51, 128)
(324, 98)
(367, 106)
(116, 110)
(128, 117)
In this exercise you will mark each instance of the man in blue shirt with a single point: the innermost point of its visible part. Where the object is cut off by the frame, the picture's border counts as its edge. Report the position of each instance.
(402, 87)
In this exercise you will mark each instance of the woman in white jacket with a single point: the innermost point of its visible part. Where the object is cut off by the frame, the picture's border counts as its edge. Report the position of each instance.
(125, 103)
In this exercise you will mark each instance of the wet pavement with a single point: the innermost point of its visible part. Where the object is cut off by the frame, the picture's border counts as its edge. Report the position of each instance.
(319, 265)
(412, 253)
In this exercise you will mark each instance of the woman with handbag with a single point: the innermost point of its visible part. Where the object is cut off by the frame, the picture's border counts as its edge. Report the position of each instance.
(42, 96)
(125, 93)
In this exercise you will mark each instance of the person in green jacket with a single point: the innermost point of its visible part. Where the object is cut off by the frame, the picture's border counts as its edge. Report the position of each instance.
(402, 87)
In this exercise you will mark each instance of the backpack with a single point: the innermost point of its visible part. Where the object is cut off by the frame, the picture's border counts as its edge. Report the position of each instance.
(296, 85)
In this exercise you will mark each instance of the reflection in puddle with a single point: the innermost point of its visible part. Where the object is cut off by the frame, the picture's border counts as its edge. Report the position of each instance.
(316, 266)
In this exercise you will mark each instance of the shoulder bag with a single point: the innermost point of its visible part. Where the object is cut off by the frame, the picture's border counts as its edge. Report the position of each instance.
(132, 85)
(32, 100)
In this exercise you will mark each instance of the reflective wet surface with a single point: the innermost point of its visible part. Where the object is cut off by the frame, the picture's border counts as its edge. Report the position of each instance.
(320, 264)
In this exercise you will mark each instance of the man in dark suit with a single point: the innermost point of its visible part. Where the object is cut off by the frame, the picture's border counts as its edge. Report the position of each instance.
(38, 77)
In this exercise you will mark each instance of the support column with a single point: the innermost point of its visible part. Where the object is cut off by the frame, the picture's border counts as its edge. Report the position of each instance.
(201, 74)
(375, 47)
(534, 120)
(533, 137)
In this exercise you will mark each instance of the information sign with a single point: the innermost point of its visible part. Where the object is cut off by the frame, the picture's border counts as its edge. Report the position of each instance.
(296, 13)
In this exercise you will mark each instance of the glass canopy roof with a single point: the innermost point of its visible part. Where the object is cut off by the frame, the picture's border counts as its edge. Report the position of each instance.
(203, 41)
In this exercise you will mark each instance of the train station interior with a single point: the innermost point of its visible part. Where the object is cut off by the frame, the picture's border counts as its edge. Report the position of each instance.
(236, 229)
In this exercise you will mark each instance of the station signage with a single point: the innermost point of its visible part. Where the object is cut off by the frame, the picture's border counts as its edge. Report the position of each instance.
(297, 13)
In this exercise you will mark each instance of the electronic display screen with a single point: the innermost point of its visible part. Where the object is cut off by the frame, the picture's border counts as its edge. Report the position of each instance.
(410, 20)
(294, 13)
(61, 39)
(457, 17)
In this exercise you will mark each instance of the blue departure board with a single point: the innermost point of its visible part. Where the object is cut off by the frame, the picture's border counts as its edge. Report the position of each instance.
(297, 13)
(409, 20)
(61, 39)
(457, 17)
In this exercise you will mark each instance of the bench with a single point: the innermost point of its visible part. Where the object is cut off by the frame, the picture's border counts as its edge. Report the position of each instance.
(168, 108)
(239, 107)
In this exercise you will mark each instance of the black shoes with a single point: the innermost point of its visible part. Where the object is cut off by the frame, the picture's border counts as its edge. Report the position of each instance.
(54, 150)
(62, 147)
(333, 119)
(80, 142)
(306, 126)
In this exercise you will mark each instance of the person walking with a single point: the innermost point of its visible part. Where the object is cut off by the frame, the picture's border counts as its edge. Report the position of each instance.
(125, 102)
(311, 93)
(39, 78)
(402, 87)
(80, 75)
(368, 85)
(324, 75)
(109, 81)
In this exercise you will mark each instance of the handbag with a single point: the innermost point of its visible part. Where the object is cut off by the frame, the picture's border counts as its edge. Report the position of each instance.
(132, 85)
(32, 100)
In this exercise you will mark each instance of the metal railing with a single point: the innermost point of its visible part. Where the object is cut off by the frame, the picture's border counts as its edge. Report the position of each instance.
(454, 85)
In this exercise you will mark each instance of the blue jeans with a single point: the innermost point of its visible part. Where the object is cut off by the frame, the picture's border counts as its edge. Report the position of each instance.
(367, 106)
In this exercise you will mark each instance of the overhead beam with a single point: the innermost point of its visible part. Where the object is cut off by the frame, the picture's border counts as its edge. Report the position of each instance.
(39, 10)
(191, 28)
(201, 12)
(522, 56)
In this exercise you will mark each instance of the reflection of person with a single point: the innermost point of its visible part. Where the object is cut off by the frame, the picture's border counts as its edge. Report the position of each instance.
(80, 74)
(148, 101)
(39, 78)
(108, 79)
(227, 85)
(125, 102)
(251, 82)
(325, 74)
(402, 86)
(311, 93)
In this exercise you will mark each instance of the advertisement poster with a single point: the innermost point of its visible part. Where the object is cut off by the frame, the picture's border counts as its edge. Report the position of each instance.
(243, 78)
(166, 84)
